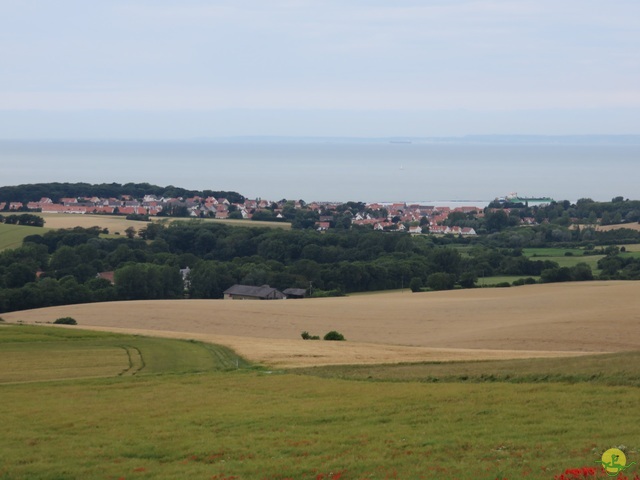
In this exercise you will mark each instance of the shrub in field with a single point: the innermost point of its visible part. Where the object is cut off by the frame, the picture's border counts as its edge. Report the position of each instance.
(333, 335)
(415, 284)
(441, 281)
(468, 280)
(65, 321)
(306, 336)
(317, 293)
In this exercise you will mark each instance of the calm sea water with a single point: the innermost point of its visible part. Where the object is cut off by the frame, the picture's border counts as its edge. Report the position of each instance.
(316, 171)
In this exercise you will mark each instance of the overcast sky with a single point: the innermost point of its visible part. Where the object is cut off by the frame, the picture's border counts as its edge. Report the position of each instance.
(193, 68)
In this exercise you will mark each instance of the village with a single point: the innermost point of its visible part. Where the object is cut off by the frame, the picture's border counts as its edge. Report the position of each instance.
(399, 217)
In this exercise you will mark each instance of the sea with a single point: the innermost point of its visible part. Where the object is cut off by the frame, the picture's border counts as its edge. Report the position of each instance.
(381, 171)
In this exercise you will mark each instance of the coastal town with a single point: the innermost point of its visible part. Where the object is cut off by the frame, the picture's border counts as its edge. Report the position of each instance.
(401, 217)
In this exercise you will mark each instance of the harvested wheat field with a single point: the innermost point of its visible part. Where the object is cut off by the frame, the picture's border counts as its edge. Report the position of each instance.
(112, 223)
(119, 223)
(527, 321)
(630, 226)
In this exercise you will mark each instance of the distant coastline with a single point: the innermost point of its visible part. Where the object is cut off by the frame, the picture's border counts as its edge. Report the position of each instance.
(444, 203)
(497, 139)
(338, 169)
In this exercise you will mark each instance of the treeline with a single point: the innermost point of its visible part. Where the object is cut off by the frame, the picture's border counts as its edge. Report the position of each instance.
(617, 266)
(552, 235)
(585, 211)
(25, 219)
(56, 191)
(61, 266)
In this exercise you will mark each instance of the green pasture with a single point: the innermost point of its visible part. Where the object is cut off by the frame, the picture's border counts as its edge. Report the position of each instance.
(559, 255)
(552, 252)
(37, 353)
(251, 223)
(614, 369)
(11, 236)
(494, 280)
(248, 423)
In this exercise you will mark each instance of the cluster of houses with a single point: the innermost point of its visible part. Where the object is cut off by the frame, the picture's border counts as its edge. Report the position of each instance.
(126, 205)
(150, 205)
(414, 219)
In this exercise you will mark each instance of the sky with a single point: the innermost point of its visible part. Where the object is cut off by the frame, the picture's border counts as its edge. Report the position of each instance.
(180, 69)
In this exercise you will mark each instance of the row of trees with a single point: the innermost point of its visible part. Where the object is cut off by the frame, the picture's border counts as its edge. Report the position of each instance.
(26, 219)
(55, 191)
(584, 211)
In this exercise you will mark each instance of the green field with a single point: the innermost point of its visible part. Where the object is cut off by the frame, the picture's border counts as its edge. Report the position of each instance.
(188, 412)
(616, 369)
(559, 255)
(35, 353)
(494, 280)
(11, 236)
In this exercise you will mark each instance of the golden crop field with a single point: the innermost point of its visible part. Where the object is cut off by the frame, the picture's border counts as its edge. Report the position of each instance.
(116, 223)
(630, 226)
(113, 223)
(519, 322)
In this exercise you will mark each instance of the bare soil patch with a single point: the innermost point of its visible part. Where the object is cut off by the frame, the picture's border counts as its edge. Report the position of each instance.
(112, 223)
(119, 223)
(528, 321)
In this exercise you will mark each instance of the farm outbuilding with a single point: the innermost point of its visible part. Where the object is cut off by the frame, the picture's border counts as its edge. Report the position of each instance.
(295, 292)
(248, 292)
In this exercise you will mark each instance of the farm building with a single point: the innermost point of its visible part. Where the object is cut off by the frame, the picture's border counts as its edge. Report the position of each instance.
(295, 292)
(248, 292)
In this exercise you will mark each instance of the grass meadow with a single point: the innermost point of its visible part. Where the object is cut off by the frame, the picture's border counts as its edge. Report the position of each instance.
(11, 236)
(167, 409)
(498, 279)
(565, 257)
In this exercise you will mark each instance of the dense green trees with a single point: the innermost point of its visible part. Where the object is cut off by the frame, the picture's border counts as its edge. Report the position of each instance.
(61, 266)
(55, 191)
(67, 262)
(144, 281)
(620, 265)
(585, 212)
(26, 219)
(578, 273)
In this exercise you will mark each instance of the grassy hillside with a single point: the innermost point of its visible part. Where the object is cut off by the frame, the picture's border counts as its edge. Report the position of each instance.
(606, 369)
(220, 423)
(565, 257)
(11, 236)
(34, 353)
